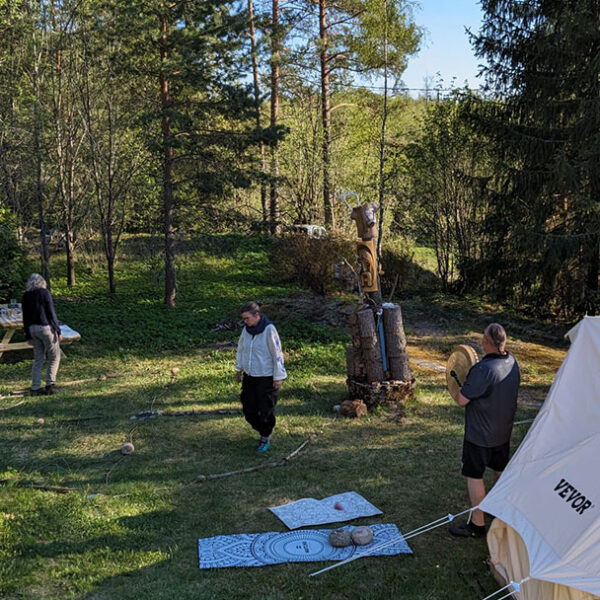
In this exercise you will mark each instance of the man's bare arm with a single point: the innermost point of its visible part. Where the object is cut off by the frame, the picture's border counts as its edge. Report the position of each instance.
(462, 400)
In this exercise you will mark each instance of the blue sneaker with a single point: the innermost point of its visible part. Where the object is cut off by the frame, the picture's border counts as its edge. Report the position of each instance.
(263, 446)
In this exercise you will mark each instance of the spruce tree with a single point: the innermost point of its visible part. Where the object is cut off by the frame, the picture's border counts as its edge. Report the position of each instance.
(542, 76)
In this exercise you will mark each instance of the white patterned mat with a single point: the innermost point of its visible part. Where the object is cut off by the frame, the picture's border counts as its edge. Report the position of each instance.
(334, 509)
(304, 545)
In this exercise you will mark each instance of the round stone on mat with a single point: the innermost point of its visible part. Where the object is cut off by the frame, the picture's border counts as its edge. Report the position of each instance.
(339, 538)
(362, 535)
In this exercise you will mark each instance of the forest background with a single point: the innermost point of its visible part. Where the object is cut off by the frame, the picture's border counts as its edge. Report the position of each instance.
(202, 117)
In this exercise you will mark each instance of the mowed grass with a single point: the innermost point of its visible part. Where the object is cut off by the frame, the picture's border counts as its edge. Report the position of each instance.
(130, 526)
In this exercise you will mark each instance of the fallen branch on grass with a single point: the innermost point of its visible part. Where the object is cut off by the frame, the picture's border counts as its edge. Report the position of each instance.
(91, 379)
(18, 393)
(77, 419)
(275, 463)
(193, 413)
(12, 405)
(116, 464)
(43, 488)
(109, 472)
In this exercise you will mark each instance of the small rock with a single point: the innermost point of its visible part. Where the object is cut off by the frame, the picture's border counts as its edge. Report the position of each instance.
(127, 448)
(39, 421)
(174, 371)
(338, 506)
(339, 538)
(362, 535)
(353, 408)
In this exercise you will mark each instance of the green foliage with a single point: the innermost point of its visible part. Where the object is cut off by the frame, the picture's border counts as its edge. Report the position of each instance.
(309, 262)
(446, 169)
(402, 271)
(384, 37)
(12, 265)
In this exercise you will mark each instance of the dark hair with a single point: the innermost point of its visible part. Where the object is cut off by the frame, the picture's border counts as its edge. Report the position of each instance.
(251, 307)
(496, 334)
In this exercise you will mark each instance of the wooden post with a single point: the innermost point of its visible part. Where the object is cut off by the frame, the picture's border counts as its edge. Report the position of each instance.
(369, 345)
(395, 343)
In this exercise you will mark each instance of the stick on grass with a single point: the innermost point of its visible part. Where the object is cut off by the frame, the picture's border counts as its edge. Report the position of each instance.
(275, 463)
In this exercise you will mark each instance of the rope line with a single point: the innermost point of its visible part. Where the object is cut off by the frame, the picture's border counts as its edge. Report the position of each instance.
(525, 421)
(516, 587)
(414, 533)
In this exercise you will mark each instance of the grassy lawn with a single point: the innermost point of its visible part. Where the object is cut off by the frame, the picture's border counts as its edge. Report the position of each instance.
(130, 527)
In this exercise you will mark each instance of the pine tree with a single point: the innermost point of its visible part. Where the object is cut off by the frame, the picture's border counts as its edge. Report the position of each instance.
(191, 51)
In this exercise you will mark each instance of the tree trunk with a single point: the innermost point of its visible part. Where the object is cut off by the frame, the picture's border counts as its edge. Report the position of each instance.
(263, 158)
(275, 56)
(39, 187)
(325, 117)
(110, 260)
(382, 140)
(168, 174)
(70, 248)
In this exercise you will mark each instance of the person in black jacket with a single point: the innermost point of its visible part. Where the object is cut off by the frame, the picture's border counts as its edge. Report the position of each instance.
(42, 331)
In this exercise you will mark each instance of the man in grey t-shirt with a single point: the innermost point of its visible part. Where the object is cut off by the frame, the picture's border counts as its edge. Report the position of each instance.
(489, 395)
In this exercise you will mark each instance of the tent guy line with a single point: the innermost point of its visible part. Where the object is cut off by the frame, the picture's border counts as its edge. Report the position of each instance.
(414, 533)
(516, 587)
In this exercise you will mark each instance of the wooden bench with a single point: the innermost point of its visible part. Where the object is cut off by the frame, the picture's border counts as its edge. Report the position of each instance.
(11, 320)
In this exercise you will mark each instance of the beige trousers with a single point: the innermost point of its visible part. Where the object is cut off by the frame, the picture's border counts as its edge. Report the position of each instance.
(45, 346)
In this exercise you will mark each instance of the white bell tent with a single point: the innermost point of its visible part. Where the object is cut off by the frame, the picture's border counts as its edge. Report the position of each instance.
(546, 538)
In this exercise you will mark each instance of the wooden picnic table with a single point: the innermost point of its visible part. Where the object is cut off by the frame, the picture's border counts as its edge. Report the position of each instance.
(11, 320)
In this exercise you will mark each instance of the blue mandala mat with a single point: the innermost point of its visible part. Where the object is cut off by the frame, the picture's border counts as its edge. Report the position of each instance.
(302, 545)
(308, 511)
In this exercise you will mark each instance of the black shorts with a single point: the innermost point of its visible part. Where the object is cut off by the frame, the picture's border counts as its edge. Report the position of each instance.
(476, 458)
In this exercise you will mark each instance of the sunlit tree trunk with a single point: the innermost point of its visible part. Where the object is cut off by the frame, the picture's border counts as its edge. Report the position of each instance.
(168, 174)
(325, 116)
(263, 158)
(275, 57)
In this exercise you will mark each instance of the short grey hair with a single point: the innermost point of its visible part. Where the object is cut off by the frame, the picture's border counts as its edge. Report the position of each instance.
(496, 334)
(251, 307)
(35, 281)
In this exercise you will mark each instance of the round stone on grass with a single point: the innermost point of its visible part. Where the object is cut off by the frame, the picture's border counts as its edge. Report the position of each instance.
(127, 448)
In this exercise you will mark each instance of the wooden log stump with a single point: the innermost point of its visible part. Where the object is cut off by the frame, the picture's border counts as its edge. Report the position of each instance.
(369, 345)
(395, 343)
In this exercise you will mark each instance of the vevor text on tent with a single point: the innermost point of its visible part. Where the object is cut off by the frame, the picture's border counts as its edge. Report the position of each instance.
(572, 496)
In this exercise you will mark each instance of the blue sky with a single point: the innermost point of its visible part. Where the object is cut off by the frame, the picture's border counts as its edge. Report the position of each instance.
(445, 47)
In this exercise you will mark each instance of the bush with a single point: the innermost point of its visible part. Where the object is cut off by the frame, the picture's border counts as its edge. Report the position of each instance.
(309, 261)
(401, 272)
(12, 265)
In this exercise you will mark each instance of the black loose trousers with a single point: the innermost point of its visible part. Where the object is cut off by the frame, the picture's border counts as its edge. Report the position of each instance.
(259, 398)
